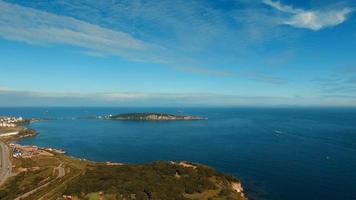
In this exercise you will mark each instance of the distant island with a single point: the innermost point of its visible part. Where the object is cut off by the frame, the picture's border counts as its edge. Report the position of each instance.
(150, 116)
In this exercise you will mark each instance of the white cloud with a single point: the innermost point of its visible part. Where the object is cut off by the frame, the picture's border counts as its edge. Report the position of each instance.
(38, 27)
(165, 35)
(316, 20)
(284, 8)
(26, 24)
(310, 19)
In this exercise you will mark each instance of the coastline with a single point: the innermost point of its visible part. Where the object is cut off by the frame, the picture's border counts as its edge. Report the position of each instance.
(234, 183)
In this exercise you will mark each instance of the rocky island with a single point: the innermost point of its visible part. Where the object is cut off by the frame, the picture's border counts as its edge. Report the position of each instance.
(149, 116)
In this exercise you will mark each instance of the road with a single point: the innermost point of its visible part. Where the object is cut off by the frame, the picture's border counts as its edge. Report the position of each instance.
(5, 163)
(61, 173)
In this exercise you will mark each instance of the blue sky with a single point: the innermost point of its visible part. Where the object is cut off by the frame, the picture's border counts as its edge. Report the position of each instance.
(178, 53)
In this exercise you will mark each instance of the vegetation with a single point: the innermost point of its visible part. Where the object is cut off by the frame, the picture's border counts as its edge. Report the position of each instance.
(159, 180)
(27, 132)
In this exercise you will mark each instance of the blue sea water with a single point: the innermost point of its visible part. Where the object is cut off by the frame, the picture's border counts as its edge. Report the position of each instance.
(277, 153)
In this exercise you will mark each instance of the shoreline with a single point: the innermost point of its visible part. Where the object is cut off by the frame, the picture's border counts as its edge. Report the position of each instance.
(8, 142)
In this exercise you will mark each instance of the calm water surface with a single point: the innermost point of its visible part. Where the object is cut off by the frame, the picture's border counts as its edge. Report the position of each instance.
(279, 154)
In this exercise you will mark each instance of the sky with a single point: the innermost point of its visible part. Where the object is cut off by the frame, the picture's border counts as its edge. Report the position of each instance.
(178, 53)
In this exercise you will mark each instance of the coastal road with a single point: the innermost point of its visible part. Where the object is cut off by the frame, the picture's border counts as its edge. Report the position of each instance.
(5, 163)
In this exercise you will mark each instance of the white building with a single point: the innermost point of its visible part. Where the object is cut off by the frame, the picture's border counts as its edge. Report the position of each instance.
(9, 121)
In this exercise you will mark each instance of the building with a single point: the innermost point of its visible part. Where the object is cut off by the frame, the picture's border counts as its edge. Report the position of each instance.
(10, 122)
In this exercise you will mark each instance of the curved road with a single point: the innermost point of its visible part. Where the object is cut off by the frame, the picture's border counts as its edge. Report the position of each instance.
(5, 163)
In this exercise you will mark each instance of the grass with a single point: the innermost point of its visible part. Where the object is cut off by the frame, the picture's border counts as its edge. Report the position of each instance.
(152, 181)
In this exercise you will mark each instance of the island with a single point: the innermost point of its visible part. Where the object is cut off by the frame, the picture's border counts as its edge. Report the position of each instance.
(32, 173)
(150, 116)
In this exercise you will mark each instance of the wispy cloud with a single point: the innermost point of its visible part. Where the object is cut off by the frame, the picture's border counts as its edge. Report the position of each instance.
(126, 31)
(255, 76)
(281, 58)
(39, 27)
(339, 83)
(33, 98)
(266, 78)
(310, 19)
(353, 97)
(149, 31)
(206, 71)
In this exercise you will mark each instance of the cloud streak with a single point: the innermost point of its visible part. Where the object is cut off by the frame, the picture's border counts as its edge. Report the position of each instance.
(39, 27)
(339, 83)
(139, 99)
(11, 98)
(35, 26)
(310, 19)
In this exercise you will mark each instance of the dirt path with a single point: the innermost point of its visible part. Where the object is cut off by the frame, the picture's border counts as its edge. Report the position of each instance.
(33, 191)
(61, 171)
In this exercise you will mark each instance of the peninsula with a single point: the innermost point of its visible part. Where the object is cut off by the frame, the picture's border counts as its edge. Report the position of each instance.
(32, 173)
(150, 116)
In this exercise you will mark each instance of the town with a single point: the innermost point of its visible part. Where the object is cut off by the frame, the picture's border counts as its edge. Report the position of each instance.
(10, 122)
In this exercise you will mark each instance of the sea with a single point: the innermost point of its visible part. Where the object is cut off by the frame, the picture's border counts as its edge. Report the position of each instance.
(277, 153)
